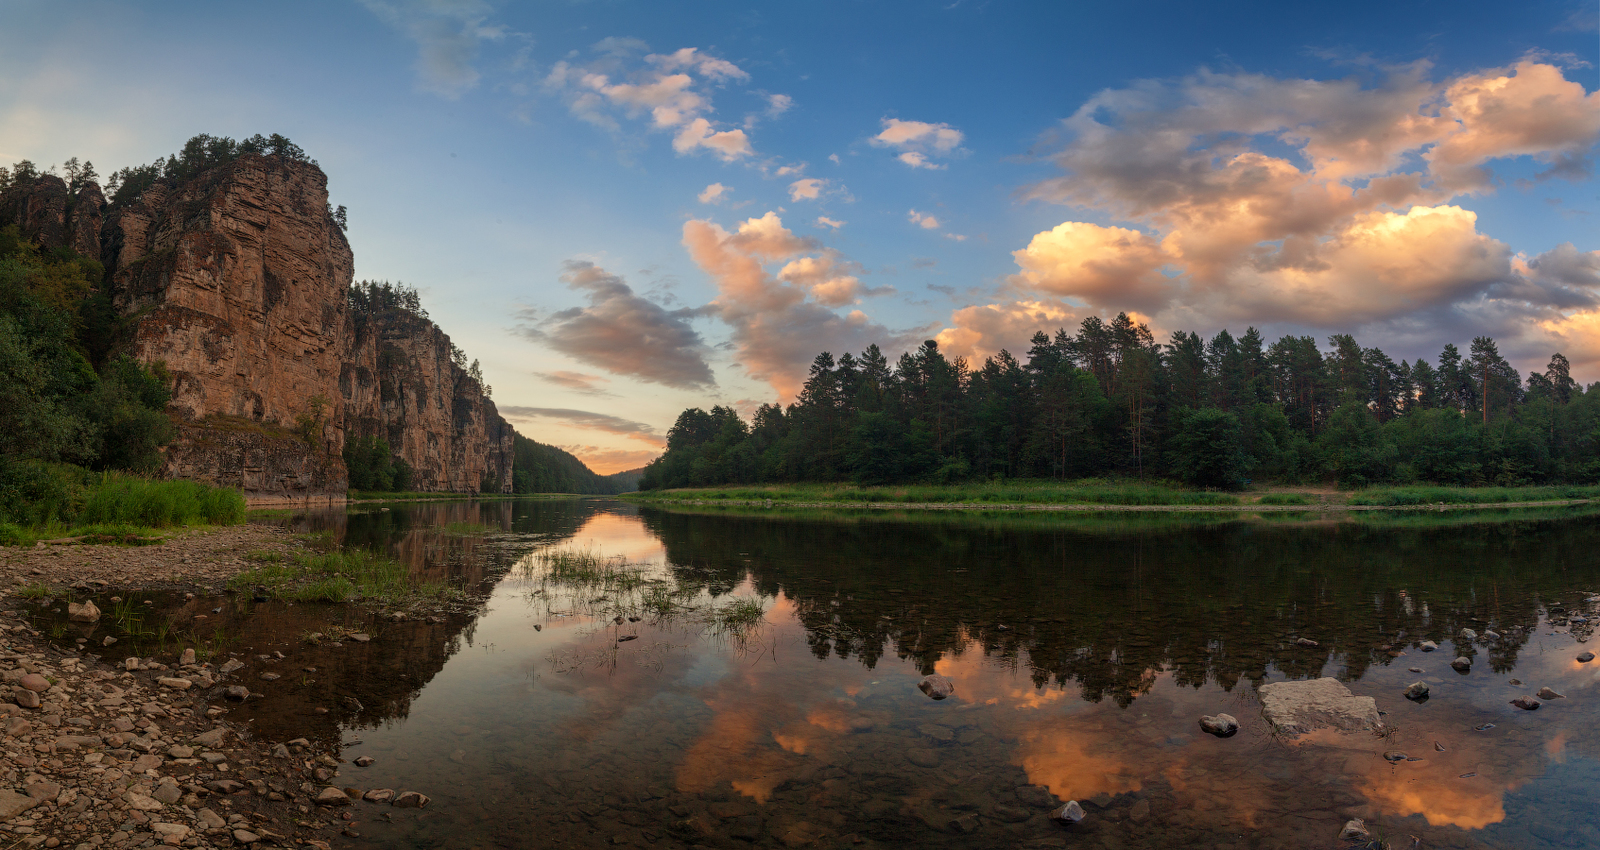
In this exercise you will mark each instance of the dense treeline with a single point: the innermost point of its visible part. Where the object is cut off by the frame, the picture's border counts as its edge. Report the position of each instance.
(1110, 400)
(538, 468)
(66, 405)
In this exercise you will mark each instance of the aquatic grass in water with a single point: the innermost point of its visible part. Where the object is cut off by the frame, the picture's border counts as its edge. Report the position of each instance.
(467, 529)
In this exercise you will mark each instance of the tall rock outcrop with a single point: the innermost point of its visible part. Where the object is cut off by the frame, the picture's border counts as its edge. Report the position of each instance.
(236, 281)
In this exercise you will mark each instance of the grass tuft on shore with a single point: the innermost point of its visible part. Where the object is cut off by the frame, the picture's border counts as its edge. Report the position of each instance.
(340, 575)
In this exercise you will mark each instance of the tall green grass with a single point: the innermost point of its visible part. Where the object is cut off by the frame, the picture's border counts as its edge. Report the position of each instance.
(1423, 495)
(161, 504)
(1090, 491)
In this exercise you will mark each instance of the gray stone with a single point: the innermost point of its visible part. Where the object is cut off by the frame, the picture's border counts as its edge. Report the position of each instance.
(44, 791)
(231, 665)
(175, 683)
(1306, 642)
(365, 761)
(1070, 813)
(378, 795)
(237, 693)
(34, 682)
(212, 739)
(936, 686)
(1428, 646)
(1221, 725)
(26, 698)
(1526, 703)
(171, 833)
(210, 820)
(1462, 664)
(1469, 634)
(167, 792)
(178, 751)
(224, 786)
(1417, 690)
(1297, 707)
(1549, 693)
(245, 836)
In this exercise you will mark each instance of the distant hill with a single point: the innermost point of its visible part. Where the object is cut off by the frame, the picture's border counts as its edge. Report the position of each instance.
(538, 468)
(627, 480)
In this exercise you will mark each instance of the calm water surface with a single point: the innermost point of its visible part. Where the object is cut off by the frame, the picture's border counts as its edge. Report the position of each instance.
(1083, 653)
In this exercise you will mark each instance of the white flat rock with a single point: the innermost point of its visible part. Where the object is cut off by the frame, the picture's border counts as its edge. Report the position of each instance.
(1297, 707)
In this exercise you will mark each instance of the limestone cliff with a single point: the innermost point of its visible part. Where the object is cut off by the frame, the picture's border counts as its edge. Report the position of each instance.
(237, 280)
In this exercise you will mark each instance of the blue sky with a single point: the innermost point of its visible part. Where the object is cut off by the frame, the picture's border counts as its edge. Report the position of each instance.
(1412, 172)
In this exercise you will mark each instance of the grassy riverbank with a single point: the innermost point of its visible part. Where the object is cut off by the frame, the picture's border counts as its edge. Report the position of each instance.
(117, 508)
(1084, 492)
(1118, 494)
(439, 496)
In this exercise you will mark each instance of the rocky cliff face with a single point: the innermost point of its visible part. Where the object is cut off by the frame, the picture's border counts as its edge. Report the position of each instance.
(401, 384)
(237, 280)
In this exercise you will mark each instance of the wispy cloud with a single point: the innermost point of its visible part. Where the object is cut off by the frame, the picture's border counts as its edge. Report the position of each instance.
(578, 382)
(714, 194)
(588, 419)
(621, 332)
(672, 89)
(449, 35)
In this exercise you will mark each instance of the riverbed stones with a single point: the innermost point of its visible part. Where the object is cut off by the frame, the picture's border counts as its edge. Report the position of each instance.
(84, 613)
(1069, 813)
(187, 658)
(175, 683)
(1294, 708)
(26, 698)
(1469, 634)
(936, 686)
(1549, 694)
(245, 836)
(34, 682)
(1417, 691)
(365, 761)
(1220, 725)
(1305, 642)
(1462, 664)
(378, 795)
(237, 693)
(1428, 646)
(13, 804)
(1585, 657)
(1526, 703)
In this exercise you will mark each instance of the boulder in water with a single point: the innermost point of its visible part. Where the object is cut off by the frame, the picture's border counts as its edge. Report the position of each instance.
(1070, 813)
(1417, 691)
(1296, 707)
(1221, 725)
(936, 686)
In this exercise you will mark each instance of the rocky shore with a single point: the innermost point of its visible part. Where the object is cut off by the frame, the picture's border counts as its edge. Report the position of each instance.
(98, 750)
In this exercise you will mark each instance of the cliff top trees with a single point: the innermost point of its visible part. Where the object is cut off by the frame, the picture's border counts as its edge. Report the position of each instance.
(200, 153)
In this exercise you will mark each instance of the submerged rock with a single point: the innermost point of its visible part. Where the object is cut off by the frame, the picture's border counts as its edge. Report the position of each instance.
(1526, 703)
(1355, 829)
(1547, 693)
(410, 800)
(1070, 813)
(1221, 725)
(1417, 691)
(331, 796)
(1037, 796)
(1469, 634)
(936, 686)
(1585, 657)
(85, 613)
(1296, 707)
(1462, 664)
(1305, 642)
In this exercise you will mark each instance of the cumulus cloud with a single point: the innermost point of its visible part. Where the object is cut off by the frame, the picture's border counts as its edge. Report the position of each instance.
(714, 194)
(780, 320)
(923, 220)
(806, 189)
(588, 419)
(1312, 204)
(448, 35)
(622, 333)
(918, 141)
(777, 104)
(832, 224)
(672, 89)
